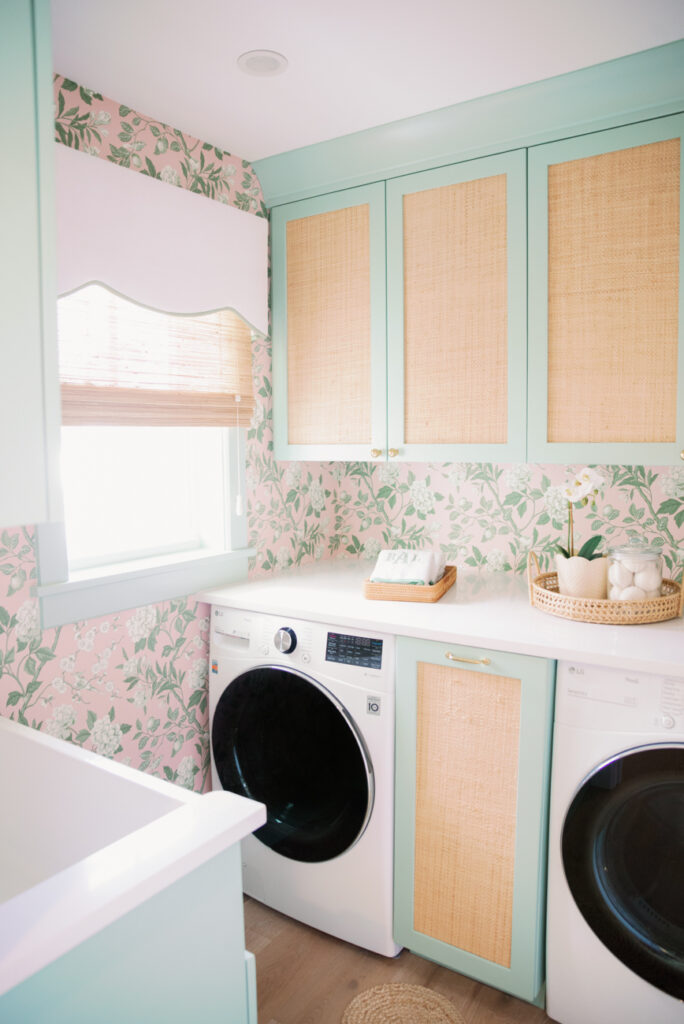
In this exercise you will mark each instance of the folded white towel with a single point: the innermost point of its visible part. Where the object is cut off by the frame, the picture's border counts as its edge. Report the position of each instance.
(406, 566)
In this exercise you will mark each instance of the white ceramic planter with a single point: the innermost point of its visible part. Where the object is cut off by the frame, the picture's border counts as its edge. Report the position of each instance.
(581, 577)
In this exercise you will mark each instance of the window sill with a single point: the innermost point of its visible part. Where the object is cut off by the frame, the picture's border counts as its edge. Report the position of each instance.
(102, 591)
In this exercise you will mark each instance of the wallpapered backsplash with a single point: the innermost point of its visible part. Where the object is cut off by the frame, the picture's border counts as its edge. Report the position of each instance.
(134, 685)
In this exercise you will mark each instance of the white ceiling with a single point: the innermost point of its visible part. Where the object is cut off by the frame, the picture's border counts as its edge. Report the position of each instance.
(352, 64)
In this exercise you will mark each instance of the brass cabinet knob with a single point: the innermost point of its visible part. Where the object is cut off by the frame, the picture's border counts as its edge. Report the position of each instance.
(392, 452)
(376, 452)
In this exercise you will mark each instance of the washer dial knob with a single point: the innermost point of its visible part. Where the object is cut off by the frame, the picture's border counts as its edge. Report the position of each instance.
(285, 640)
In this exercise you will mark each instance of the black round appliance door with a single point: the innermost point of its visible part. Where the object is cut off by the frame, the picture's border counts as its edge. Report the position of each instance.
(623, 854)
(281, 738)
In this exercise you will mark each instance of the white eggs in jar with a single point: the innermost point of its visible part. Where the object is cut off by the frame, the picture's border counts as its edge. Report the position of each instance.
(635, 572)
(648, 578)
(632, 594)
(619, 576)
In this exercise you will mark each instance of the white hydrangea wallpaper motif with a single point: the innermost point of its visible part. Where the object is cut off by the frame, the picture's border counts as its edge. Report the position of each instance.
(134, 685)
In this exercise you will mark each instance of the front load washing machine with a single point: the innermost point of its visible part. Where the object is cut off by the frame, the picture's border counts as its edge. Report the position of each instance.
(615, 928)
(302, 720)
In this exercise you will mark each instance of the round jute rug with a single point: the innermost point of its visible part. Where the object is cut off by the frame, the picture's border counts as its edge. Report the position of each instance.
(401, 1004)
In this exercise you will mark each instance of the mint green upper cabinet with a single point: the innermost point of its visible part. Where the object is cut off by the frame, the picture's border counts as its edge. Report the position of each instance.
(29, 402)
(606, 345)
(456, 290)
(329, 347)
(473, 742)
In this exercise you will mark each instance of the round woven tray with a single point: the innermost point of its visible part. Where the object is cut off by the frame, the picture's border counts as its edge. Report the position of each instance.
(544, 595)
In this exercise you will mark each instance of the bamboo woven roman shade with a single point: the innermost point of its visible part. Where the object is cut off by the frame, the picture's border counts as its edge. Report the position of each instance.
(122, 364)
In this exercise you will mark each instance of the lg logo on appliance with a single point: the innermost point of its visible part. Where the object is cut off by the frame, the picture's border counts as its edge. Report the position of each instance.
(373, 705)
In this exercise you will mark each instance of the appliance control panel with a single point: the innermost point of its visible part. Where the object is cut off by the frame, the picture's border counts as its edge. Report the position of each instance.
(618, 700)
(364, 651)
(238, 637)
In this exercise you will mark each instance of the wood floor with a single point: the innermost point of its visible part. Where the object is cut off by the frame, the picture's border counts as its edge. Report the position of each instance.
(306, 977)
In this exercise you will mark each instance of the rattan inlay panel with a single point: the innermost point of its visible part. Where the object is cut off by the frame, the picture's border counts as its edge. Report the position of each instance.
(613, 296)
(466, 800)
(329, 328)
(455, 314)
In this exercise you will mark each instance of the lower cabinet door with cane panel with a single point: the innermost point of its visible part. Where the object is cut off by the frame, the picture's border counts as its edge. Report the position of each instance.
(472, 770)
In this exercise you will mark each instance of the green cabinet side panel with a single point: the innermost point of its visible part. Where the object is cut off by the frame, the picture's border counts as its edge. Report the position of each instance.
(539, 449)
(26, 305)
(513, 165)
(178, 957)
(525, 976)
(374, 195)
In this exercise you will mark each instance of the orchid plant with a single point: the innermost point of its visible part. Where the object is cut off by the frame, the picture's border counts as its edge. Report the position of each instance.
(579, 490)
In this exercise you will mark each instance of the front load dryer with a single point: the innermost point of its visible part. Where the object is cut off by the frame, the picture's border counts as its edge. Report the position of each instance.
(615, 928)
(302, 719)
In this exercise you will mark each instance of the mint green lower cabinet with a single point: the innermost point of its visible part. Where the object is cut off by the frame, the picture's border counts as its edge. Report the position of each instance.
(473, 750)
(177, 957)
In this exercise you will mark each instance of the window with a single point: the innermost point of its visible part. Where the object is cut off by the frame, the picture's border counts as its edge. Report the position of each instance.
(154, 407)
(140, 492)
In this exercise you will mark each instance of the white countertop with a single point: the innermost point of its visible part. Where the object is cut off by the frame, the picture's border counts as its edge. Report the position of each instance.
(481, 610)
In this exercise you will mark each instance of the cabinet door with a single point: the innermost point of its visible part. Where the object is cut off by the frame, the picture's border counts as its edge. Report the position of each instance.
(329, 348)
(456, 271)
(29, 403)
(606, 353)
(472, 769)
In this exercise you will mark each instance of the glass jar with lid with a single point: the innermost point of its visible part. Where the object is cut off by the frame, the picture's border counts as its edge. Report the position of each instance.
(635, 573)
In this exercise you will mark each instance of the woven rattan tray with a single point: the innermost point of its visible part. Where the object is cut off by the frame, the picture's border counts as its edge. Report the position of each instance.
(410, 591)
(544, 595)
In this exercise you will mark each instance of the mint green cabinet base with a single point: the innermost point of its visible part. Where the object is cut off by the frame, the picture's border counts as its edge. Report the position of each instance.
(446, 694)
(177, 957)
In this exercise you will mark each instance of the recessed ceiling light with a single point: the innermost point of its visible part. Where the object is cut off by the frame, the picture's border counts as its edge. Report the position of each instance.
(262, 62)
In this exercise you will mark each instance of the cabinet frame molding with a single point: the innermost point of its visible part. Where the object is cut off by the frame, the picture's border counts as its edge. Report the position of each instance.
(539, 448)
(29, 390)
(513, 166)
(525, 976)
(374, 196)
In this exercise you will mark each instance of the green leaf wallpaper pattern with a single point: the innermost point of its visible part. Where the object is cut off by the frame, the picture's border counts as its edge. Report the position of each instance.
(87, 120)
(133, 686)
(481, 515)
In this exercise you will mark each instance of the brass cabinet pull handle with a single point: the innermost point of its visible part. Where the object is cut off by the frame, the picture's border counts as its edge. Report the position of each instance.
(468, 661)
(681, 455)
(392, 452)
(376, 452)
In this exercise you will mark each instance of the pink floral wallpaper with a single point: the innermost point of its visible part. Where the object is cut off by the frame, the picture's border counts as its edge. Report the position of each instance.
(134, 685)
(482, 515)
(89, 121)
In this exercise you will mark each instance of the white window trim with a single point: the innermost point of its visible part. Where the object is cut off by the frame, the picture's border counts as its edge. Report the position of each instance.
(68, 597)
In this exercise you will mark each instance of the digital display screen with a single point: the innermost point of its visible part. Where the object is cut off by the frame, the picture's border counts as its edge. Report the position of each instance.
(354, 650)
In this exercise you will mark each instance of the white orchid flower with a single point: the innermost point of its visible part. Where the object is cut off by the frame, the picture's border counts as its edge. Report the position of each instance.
(587, 482)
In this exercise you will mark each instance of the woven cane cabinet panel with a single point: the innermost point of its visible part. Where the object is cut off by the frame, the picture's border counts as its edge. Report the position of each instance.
(604, 311)
(470, 811)
(329, 325)
(456, 310)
